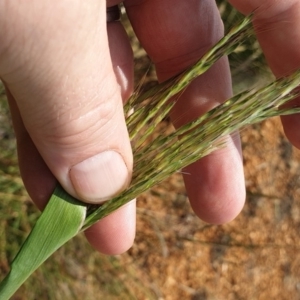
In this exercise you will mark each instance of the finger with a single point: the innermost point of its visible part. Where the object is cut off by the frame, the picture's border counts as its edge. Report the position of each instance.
(115, 233)
(40, 182)
(278, 30)
(37, 178)
(175, 34)
(122, 58)
(215, 184)
(68, 96)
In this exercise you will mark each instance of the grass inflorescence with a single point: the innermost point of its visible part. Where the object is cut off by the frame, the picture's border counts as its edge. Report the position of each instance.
(167, 154)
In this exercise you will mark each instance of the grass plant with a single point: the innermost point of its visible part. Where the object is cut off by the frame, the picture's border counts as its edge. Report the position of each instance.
(157, 160)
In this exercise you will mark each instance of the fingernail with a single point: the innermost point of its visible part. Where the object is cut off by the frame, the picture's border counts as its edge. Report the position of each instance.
(100, 177)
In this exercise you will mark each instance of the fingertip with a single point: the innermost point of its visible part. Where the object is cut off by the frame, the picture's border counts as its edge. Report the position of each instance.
(220, 208)
(215, 185)
(115, 233)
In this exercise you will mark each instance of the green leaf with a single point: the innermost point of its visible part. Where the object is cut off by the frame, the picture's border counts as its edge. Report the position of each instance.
(61, 220)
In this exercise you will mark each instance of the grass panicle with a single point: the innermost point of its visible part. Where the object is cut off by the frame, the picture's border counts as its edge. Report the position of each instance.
(168, 154)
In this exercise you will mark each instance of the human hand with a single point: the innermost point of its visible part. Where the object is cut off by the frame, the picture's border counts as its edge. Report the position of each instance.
(175, 34)
(65, 89)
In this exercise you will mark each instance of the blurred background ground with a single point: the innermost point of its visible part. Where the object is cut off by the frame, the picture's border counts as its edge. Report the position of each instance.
(175, 255)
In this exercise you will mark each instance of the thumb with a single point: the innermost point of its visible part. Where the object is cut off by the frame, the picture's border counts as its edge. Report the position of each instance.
(69, 99)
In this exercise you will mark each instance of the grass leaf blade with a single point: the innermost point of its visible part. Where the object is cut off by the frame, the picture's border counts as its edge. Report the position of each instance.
(61, 220)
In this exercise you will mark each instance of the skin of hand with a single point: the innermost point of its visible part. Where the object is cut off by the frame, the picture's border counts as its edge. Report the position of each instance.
(67, 72)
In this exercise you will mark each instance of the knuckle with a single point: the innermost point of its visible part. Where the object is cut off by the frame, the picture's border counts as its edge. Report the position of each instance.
(77, 124)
